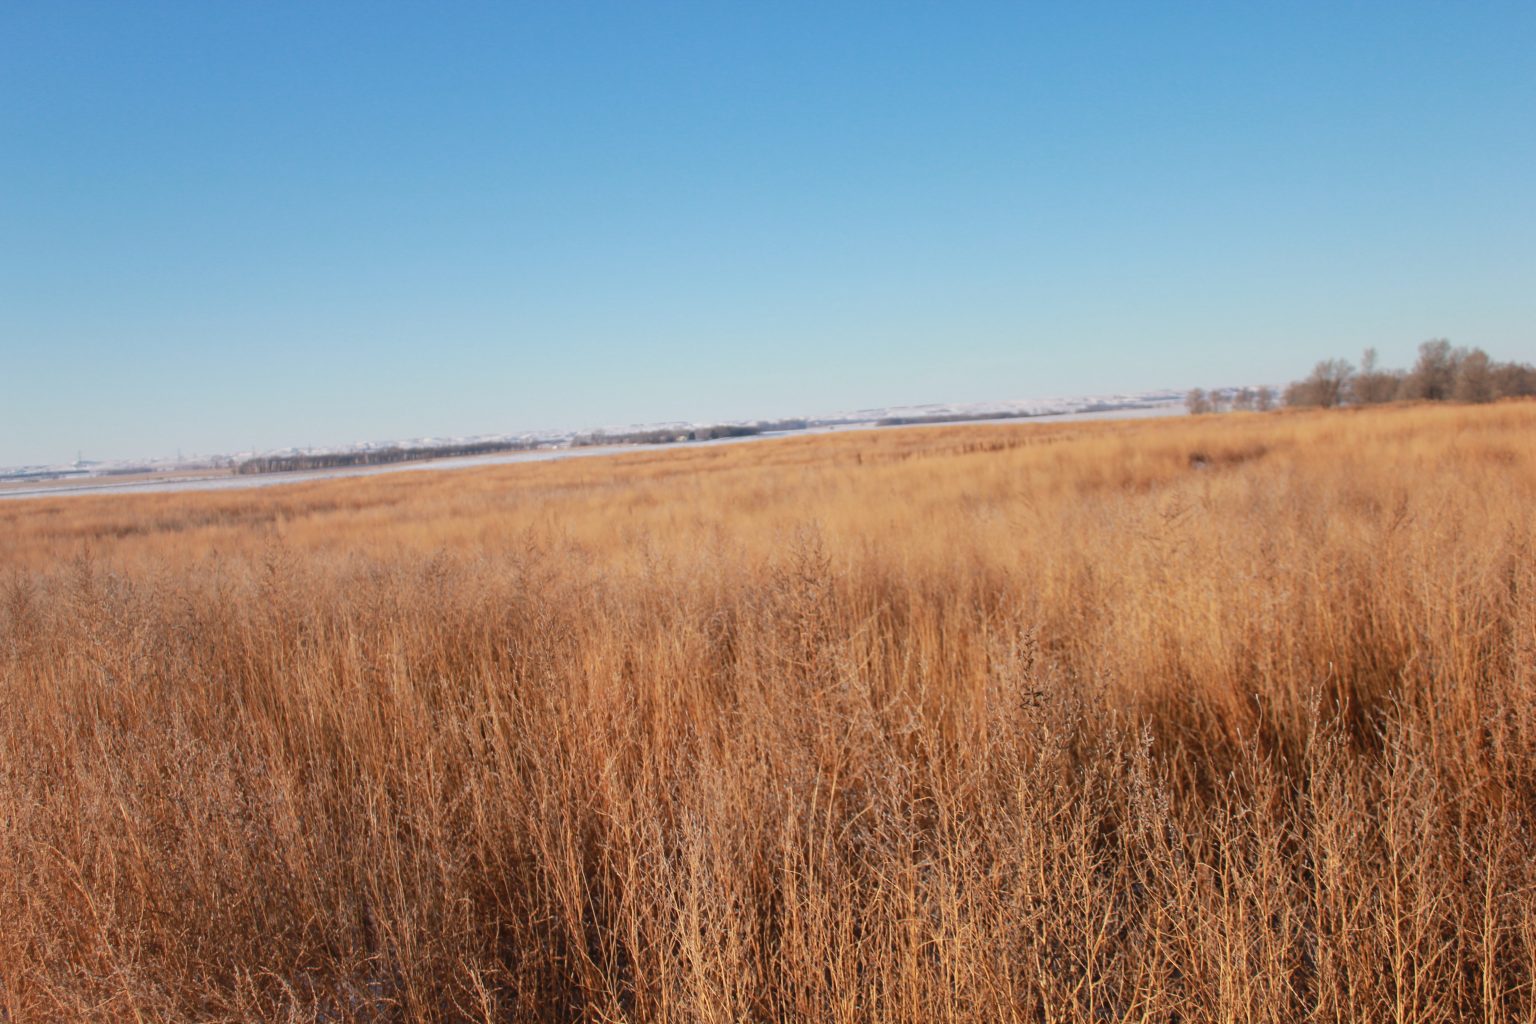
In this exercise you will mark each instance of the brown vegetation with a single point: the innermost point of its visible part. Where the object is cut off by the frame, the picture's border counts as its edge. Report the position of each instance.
(1191, 720)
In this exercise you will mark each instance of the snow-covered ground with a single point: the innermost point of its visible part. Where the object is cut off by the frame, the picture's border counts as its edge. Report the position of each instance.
(217, 472)
(1012, 409)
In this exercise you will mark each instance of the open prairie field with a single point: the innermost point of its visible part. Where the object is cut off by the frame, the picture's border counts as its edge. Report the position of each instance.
(1212, 719)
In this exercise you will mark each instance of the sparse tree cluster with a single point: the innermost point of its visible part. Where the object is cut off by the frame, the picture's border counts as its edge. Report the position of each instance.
(1253, 400)
(1442, 373)
(1200, 401)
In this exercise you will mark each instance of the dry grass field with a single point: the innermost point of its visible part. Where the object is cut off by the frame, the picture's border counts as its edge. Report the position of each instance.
(1213, 719)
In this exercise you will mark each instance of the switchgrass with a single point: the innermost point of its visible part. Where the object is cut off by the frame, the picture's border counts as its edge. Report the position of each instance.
(1217, 719)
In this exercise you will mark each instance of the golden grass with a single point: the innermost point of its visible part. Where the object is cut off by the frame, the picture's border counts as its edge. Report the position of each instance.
(1219, 719)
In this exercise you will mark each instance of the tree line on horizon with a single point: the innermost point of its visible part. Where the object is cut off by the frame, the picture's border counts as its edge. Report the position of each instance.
(1442, 373)
(304, 461)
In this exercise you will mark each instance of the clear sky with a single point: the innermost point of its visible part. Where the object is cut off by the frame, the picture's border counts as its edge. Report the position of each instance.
(230, 225)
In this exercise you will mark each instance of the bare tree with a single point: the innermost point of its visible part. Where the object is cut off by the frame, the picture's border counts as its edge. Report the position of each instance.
(1513, 380)
(1474, 378)
(1433, 377)
(1373, 385)
(1327, 387)
(1197, 402)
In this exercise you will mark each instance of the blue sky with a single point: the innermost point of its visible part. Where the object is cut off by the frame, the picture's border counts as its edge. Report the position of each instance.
(236, 225)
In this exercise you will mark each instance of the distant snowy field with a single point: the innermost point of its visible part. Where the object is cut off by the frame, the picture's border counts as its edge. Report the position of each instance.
(216, 472)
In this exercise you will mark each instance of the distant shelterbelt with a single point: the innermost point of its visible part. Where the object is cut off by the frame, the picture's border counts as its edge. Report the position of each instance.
(373, 457)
